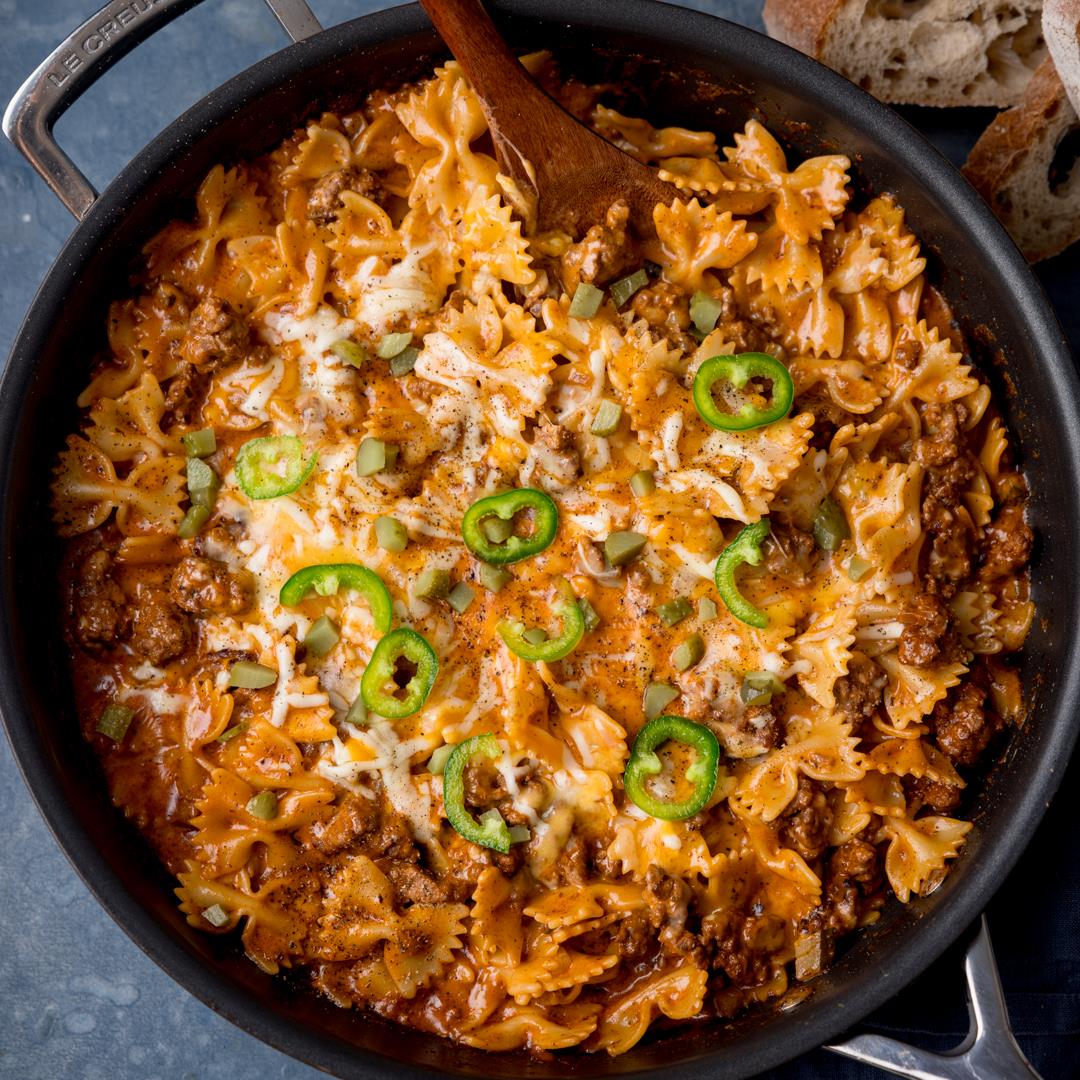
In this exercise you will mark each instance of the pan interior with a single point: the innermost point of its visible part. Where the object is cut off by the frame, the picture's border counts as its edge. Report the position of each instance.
(677, 68)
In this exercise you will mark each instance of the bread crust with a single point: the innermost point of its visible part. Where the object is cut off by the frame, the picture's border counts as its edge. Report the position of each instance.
(1061, 28)
(1006, 141)
(1009, 146)
(800, 23)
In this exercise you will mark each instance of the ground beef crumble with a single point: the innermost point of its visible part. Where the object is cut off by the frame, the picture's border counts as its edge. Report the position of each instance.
(953, 544)
(1007, 543)
(805, 822)
(217, 336)
(559, 456)
(101, 613)
(940, 442)
(962, 725)
(324, 202)
(789, 551)
(666, 308)
(203, 586)
(926, 638)
(949, 472)
(412, 884)
(853, 874)
(939, 797)
(742, 946)
(186, 393)
(603, 254)
(754, 730)
(859, 692)
(158, 630)
(104, 615)
(354, 818)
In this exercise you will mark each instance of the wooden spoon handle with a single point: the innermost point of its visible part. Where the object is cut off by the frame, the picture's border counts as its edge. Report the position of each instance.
(517, 110)
(485, 58)
(570, 173)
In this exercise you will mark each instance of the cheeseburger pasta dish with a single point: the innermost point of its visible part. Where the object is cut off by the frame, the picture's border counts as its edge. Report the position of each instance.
(531, 636)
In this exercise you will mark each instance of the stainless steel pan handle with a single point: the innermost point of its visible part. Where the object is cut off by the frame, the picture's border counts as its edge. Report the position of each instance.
(79, 61)
(988, 1053)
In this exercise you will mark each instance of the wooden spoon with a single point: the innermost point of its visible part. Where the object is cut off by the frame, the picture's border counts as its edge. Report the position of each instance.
(576, 175)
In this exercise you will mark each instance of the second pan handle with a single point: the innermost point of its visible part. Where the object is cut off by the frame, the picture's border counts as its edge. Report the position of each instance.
(79, 61)
(988, 1053)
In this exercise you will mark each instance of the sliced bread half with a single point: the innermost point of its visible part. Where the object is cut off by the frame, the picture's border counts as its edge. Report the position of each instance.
(919, 52)
(1061, 28)
(1025, 166)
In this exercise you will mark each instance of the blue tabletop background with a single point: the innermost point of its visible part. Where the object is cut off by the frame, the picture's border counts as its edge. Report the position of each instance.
(78, 1000)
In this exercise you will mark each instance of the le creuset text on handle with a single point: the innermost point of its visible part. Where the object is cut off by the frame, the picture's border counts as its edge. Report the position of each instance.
(79, 61)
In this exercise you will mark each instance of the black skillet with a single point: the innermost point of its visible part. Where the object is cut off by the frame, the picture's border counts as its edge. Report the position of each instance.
(689, 69)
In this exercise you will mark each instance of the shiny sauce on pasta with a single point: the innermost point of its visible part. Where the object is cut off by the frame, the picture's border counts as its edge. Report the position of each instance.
(374, 281)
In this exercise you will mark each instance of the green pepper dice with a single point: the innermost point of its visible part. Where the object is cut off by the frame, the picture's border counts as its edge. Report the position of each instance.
(378, 678)
(586, 302)
(745, 548)
(760, 687)
(492, 831)
(503, 507)
(525, 644)
(739, 370)
(831, 528)
(272, 466)
(644, 764)
(326, 578)
(115, 720)
(200, 443)
(195, 518)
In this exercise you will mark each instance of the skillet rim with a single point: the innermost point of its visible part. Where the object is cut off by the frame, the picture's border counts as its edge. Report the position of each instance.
(814, 1022)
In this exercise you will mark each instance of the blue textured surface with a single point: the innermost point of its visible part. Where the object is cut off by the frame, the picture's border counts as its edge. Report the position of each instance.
(78, 1001)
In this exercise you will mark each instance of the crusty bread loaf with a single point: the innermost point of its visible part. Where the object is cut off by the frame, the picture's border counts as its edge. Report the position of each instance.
(1025, 166)
(1061, 28)
(921, 52)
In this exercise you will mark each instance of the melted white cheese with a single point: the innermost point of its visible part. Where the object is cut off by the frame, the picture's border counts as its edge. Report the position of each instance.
(159, 700)
(317, 333)
(410, 796)
(279, 709)
(253, 387)
(406, 289)
(669, 438)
